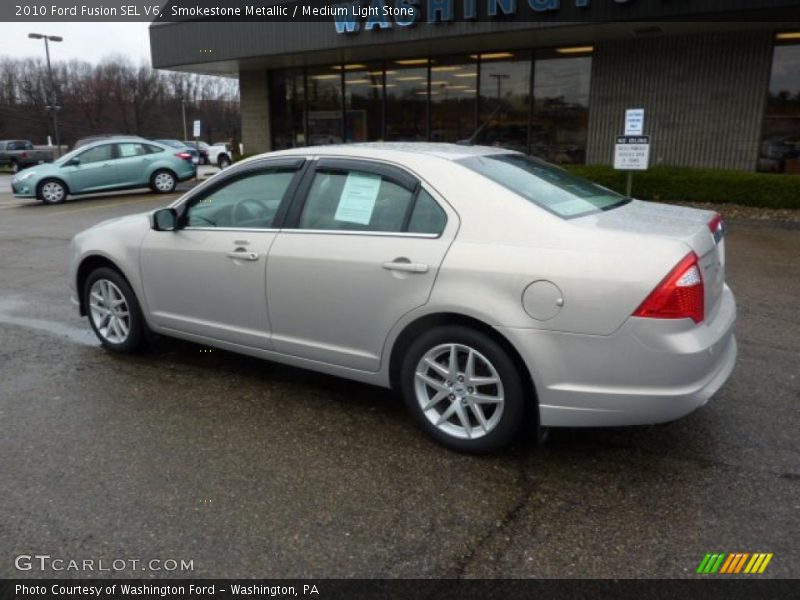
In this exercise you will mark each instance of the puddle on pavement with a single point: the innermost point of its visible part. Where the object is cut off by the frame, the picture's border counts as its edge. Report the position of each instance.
(8, 306)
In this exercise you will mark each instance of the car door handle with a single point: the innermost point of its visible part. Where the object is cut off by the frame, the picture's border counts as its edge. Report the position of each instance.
(405, 266)
(243, 255)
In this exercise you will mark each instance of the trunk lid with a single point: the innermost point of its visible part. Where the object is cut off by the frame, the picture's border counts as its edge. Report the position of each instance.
(689, 225)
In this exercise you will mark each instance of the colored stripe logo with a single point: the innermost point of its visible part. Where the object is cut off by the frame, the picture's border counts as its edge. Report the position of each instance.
(734, 563)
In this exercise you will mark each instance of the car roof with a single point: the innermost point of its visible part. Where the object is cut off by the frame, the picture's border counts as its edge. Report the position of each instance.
(114, 140)
(390, 149)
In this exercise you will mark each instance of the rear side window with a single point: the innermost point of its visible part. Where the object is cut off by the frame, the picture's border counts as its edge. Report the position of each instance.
(548, 186)
(428, 217)
(355, 201)
(128, 150)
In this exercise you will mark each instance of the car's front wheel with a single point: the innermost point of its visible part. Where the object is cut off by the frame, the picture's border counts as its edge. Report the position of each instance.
(464, 389)
(113, 311)
(163, 182)
(52, 191)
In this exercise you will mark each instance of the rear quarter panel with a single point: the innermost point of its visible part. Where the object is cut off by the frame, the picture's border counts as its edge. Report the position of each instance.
(504, 243)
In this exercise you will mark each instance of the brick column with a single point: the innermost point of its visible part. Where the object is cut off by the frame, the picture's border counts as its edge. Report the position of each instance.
(254, 102)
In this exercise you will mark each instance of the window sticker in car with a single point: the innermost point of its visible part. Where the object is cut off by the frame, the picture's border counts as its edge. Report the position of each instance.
(358, 198)
(126, 150)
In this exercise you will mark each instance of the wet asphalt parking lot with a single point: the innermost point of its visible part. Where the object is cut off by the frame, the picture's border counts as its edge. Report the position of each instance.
(252, 469)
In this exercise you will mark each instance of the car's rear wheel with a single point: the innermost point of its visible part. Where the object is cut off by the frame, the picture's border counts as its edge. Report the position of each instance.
(464, 389)
(113, 311)
(163, 182)
(224, 162)
(52, 191)
(14, 166)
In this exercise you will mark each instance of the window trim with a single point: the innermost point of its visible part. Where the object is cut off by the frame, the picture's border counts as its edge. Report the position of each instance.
(392, 172)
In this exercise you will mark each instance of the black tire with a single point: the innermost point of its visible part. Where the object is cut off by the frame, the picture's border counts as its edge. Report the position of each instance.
(14, 166)
(48, 191)
(137, 333)
(513, 416)
(160, 176)
(224, 161)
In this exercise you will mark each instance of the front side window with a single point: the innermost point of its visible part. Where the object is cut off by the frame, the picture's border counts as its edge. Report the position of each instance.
(250, 201)
(354, 200)
(97, 154)
(545, 185)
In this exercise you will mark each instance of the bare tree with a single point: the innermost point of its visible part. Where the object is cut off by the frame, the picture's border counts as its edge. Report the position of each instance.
(114, 96)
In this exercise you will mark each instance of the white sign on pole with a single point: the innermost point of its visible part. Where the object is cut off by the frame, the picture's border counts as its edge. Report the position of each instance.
(632, 153)
(196, 130)
(634, 121)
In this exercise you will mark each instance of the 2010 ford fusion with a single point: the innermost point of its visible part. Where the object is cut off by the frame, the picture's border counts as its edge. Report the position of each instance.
(492, 289)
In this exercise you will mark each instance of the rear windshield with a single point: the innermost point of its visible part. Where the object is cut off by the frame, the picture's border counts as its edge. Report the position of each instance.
(545, 185)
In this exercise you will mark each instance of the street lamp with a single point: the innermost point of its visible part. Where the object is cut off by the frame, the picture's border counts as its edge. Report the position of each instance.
(183, 116)
(54, 106)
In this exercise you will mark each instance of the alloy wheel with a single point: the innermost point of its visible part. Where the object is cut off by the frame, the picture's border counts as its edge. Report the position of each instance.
(459, 390)
(109, 311)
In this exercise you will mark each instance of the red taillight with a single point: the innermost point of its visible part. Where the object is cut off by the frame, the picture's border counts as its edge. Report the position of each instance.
(681, 295)
(24, 155)
(184, 155)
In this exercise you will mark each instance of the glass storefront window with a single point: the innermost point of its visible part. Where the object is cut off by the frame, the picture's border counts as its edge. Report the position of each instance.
(454, 95)
(287, 106)
(324, 105)
(780, 142)
(407, 100)
(363, 97)
(504, 101)
(560, 121)
(482, 98)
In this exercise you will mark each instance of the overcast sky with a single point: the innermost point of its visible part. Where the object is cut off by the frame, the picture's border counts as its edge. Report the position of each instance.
(84, 41)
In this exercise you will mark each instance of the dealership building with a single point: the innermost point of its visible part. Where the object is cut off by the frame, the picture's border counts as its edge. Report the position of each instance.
(719, 81)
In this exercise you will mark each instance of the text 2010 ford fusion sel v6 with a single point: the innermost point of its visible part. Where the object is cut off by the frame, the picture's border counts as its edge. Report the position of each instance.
(487, 286)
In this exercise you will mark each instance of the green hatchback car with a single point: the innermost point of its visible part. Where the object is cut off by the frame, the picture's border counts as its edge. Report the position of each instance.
(106, 165)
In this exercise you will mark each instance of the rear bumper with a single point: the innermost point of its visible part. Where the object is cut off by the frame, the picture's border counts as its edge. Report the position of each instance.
(649, 371)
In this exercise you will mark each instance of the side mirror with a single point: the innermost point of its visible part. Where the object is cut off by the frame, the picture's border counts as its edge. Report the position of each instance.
(165, 219)
(73, 162)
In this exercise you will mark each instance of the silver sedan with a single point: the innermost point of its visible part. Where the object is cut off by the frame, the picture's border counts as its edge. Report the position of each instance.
(497, 293)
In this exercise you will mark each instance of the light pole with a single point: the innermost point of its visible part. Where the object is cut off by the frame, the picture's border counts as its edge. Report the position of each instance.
(54, 106)
(183, 112)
